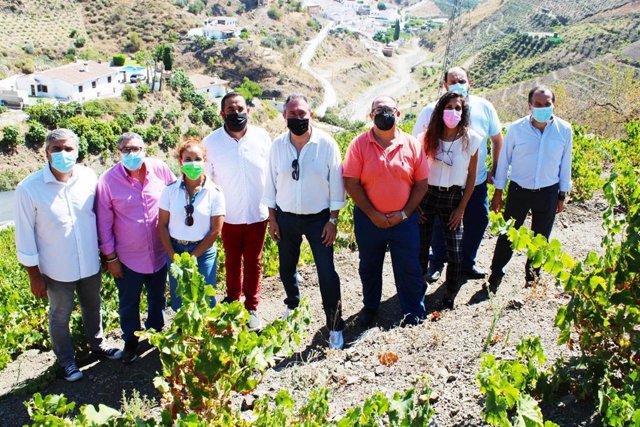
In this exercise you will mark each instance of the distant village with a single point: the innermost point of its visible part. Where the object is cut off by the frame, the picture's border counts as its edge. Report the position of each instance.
(86, 80)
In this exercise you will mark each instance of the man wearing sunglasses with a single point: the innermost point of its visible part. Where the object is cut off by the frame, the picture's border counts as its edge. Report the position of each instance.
(385, 173)
(128, 199)
(485, 121)
(304, 193)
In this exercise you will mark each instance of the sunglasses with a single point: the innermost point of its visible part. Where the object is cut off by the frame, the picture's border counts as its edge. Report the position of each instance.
(296, 169)
(188, 221)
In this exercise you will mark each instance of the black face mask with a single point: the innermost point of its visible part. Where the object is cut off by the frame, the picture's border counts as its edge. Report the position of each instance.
(235, 122)
(384, 120)
(298, 126)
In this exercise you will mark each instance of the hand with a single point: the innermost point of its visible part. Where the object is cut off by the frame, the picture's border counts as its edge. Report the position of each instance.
(455, 219)
(394, 218)
(274, 230)
(38, 286)
(421, 216)
(560, 206)
(496, 202)
(115, 269)
(380, 220)
(490, 178)
(329, 233)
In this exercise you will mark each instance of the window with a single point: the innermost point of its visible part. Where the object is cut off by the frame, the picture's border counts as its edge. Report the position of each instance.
(80, 88)
(94, 84)
(109, 79)
(45, 89)
(39, 88)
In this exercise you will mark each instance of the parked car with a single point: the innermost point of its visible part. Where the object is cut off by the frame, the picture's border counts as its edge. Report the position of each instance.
(135, 78)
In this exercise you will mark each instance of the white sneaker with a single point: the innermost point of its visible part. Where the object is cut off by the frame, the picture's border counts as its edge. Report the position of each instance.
(336, 340)
(287, 313)
(254, 321)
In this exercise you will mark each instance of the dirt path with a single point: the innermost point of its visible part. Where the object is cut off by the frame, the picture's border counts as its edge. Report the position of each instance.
(329, 98)
(447, 350)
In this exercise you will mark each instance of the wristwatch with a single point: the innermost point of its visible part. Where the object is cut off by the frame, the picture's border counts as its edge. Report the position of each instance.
(334, 221)
(562, 196)
(404, 215)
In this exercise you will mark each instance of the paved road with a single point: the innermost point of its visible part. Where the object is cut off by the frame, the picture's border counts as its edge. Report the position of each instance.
(329, 99)
(7, 201)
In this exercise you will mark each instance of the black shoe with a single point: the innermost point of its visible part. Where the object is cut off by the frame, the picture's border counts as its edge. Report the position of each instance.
(129, 356)
(366, 317)
(447, 302)
(494, 282)
(433, 274)
(227, 300)
(474, 273)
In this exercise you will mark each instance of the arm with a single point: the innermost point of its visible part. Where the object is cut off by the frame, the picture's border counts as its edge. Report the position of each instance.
(418, 191)
(106, 237)
(336, 194)
(274, 229)
(458, 213)
(26, 247)
(496, 148)
(421, 122)
(210, 239)
(163, 232)
(565, 171)
(356, 191)
(500, 178)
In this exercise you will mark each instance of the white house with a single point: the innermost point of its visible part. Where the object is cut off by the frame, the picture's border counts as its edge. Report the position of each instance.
(228, 21)
(211, 87)
(77, 81)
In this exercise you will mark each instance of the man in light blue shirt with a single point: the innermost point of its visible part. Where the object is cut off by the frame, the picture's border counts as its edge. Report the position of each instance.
(538, 150)
(485, 121)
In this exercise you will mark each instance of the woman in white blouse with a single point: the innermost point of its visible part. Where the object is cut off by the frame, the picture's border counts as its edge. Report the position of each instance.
(191, 215)
(452, 154)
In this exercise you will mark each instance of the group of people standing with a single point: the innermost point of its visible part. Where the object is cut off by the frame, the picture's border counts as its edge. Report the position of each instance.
(411, 193)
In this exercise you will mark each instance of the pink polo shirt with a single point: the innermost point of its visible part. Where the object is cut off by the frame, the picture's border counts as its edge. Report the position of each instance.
(387, 175)
(127, 214)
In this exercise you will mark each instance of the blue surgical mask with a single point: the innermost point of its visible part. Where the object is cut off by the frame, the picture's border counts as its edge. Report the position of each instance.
(461, 88)
(133, 161)
(63, 161)
(542, 114)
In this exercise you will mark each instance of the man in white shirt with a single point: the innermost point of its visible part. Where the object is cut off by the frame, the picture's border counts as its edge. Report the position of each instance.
(238, 156)
(57, 242)
(537, 149)
(485, 121)
(304, 193)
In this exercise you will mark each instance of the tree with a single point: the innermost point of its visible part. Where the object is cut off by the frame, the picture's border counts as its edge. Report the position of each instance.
(135, 42)
(118, 60)
(167, 56)
(10, 138)
(396, 30)
(382, 6)
(249, 89)
(129, 93)
(274, 13)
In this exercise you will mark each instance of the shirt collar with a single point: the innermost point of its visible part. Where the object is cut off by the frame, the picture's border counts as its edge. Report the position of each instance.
(224, 129)
(314, 139)
(207, 182)
(49, 177)
(396, 141)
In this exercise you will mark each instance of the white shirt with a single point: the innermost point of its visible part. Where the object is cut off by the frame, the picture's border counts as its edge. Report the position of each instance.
(56, 224)
(239, 167)
(537, 159)
(320, 185)
(484, 120)
(455, 152)
(207, 202)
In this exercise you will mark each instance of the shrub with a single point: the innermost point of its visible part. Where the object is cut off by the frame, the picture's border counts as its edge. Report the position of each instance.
(129, 93)
(153, 134)
(125, 121)
(140, 114)
(143, 89)
(79, 42)
(10, 138)
(244, 34)
(193, 131)
(195, 116)
(169, 140)
(249, 89)
(211, 116)
(119, 59)
(274, 13)
(36, 135)
(196, 7)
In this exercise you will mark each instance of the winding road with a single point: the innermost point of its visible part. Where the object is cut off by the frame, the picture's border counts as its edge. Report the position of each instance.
(329, 99)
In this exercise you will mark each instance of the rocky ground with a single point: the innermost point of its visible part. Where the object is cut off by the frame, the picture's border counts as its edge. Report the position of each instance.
(447, 350)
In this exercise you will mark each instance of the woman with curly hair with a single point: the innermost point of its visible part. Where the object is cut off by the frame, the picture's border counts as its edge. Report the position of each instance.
(452, 154)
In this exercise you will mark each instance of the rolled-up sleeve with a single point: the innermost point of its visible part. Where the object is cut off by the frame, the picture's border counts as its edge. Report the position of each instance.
(565, 164)
(336, 183)
(25, 219)
(269, 197)
(104, 212)
(500, 180)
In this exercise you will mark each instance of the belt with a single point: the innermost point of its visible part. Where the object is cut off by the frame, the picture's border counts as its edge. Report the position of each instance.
(322, 213)
(445, 189)
(517, 186)
(184, 242)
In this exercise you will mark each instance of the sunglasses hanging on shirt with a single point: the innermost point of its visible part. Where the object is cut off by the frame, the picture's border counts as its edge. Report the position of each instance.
(296, 169)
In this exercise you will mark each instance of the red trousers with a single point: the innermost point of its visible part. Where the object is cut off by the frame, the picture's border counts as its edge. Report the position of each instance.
(244, 242)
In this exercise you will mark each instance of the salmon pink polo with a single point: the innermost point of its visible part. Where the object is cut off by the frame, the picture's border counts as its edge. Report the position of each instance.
(387, 175)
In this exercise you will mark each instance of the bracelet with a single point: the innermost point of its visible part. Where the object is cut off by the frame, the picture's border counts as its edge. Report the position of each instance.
(115, 258)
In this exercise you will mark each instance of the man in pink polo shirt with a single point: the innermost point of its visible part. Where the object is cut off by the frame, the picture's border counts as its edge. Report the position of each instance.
(385, 173)
(128, 198)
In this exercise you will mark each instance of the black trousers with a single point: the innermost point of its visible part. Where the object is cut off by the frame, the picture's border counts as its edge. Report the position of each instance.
(542, 204)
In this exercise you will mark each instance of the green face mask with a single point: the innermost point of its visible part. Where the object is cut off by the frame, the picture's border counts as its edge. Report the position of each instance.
(193, 170)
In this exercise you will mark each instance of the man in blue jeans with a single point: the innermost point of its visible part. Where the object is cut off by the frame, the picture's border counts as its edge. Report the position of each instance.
(485, 121)
(304, 192)
(385, 173)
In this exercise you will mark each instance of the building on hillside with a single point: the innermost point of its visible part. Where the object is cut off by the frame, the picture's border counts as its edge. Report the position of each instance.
(314, 9)
(77, 81)
(211, 87)
(228, 21)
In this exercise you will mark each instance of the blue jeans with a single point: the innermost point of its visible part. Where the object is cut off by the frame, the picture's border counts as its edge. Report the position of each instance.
(403, 241)
(292, 228)
(206, 266)
(475, 221)
(129, 290)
